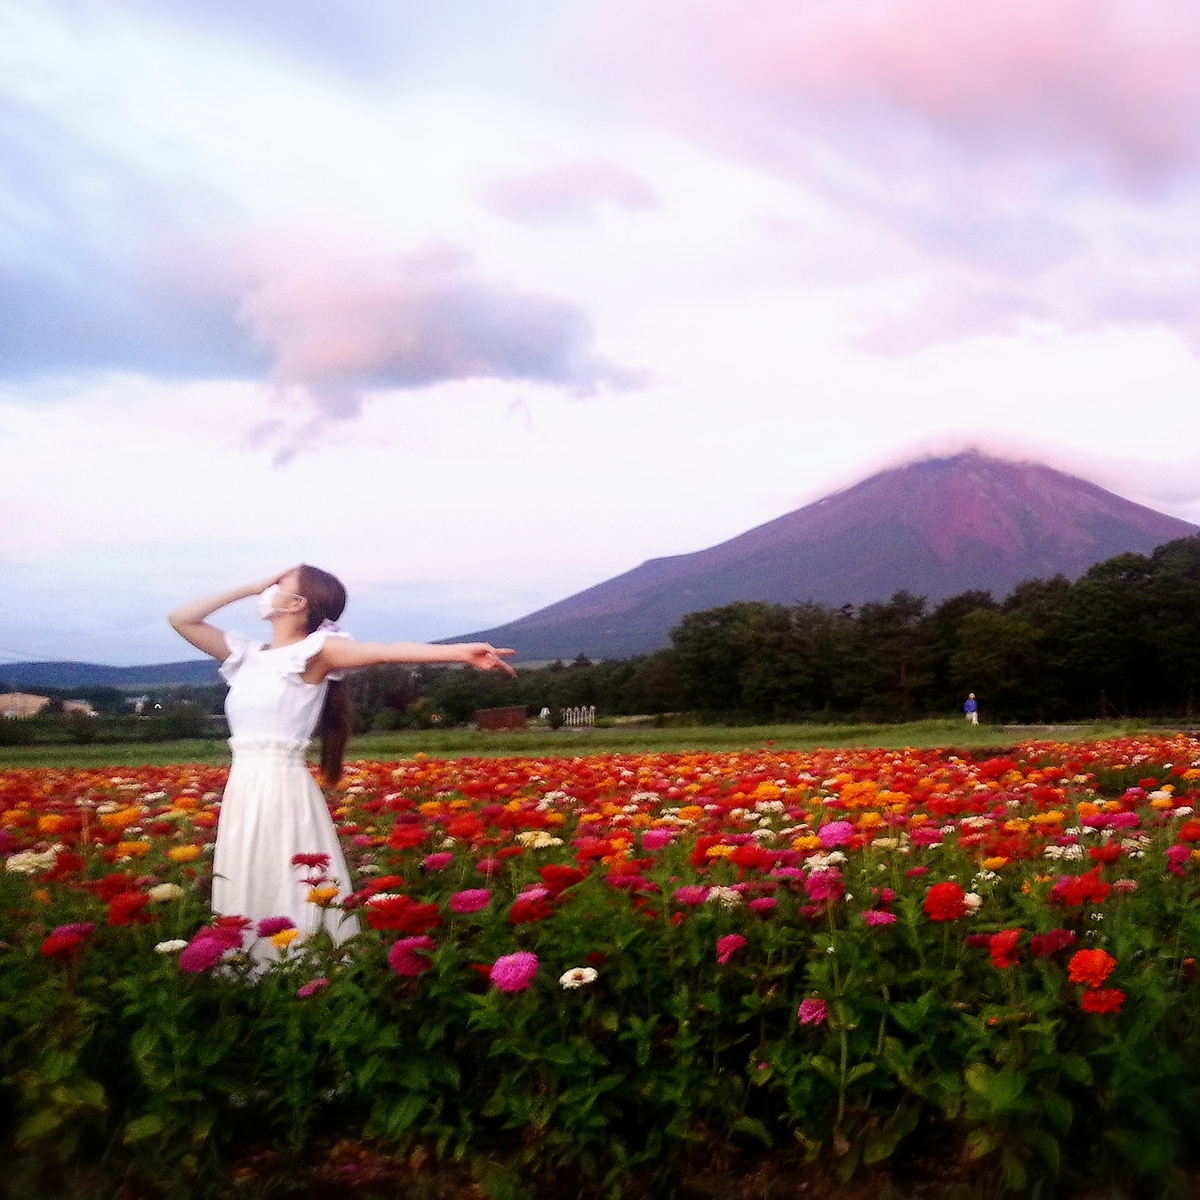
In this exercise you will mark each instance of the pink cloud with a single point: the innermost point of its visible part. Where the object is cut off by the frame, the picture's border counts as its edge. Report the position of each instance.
(1112, 83)
(1039, 158)
(335, 332)
(567, 190)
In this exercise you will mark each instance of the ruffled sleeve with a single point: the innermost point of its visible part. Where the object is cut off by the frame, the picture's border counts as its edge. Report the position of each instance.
(294, 659)
(239, 647)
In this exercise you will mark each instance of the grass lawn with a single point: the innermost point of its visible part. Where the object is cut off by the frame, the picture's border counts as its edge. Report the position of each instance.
(456, 743)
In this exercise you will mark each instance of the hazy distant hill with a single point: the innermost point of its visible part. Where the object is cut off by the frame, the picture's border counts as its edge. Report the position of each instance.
(22, 676)
(934, 528)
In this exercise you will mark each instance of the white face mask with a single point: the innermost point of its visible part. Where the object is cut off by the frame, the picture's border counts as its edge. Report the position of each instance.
(268, 601)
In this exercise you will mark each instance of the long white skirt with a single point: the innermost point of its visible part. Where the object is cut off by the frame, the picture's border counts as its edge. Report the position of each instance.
(272, 809)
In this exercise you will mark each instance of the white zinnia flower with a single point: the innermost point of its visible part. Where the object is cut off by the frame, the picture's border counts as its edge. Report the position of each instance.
(725, 896)
(577, 977)
(165, 891)
(172, 947)
(972, 900)
(30, 862)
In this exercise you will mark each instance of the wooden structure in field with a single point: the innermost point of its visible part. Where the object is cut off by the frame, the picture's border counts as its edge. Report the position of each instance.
(500, 718)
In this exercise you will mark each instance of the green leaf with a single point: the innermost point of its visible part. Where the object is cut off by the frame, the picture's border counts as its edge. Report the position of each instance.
(1012, 1171)
(559, 1053)
(144, 1127)
(856, 1073)
(978, 1077)
(979, 1144)
(879, 1145)
(1058, 1109)
(1047, 1146)
(755, 1129)
(1003, 1089)
(1077, 1068)
(823, 1066)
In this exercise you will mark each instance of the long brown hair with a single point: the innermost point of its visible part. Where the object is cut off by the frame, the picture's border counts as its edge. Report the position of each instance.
(326, 599)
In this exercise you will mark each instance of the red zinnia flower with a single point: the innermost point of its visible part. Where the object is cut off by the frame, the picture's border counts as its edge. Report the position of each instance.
(402, 914)
(66, 939)
(1102, 1000)
(1074, 890)
(526, 909)
(945, 902)
(407, 837)
(1002, 947)
(558, 878)
(310, 860)
(126, 909)
(1092, 967)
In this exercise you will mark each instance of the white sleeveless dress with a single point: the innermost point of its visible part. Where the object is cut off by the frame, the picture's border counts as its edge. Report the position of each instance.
(272, 808)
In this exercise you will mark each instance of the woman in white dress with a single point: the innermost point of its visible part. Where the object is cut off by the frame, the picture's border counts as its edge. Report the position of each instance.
(279, 695)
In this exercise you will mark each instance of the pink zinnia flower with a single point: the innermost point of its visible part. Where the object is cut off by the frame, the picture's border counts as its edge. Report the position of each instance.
(312, 987)
(269, 926)
(835, 833)
(764, 905)
(472, 900)
(728, 945)
(438, 862)
(514, 972)
(405, 957)
(207, 948)
(875, 916)
(1176, 857)
(488, 866)
(812, 1011)
(656, 839)
(825, 885)
(691, 893)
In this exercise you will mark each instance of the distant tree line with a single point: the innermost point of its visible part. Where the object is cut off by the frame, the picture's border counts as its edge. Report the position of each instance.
(1121, 641)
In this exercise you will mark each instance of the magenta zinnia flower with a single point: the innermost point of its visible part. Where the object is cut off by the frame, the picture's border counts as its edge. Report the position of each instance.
(514, 972)
(691, 893)
(835, 833)
(207, 947)
(656, 839)
(438, 862)
(406, 957)
(875, 916)
(764, 906)
(825, 885)
(272, 925)
(728, 945)
(1176, 857)
(472, 900)
(312, 987)
(812, 1011)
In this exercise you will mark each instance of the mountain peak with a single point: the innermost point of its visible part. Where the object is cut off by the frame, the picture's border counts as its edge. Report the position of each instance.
(934, 527)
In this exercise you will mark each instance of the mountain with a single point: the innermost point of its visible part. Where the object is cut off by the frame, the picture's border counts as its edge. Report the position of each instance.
(935, 528)
(21, 676)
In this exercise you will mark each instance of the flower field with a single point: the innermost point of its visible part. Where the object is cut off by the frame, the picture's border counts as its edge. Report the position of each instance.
(593, 973)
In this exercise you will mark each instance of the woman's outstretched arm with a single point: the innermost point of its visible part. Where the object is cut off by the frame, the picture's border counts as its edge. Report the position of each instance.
(340, 654)
(188, 619)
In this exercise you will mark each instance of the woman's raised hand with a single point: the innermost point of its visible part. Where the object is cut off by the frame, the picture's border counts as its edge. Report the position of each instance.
(254, 589)
(485, 656)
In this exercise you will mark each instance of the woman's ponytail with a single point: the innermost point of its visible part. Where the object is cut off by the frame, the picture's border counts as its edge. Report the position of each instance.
(326, 599)
(334, 727)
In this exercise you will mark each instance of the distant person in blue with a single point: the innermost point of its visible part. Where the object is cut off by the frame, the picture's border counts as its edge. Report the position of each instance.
(971, 709)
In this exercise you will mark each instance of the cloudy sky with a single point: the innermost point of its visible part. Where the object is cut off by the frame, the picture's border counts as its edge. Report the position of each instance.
(479, 303)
